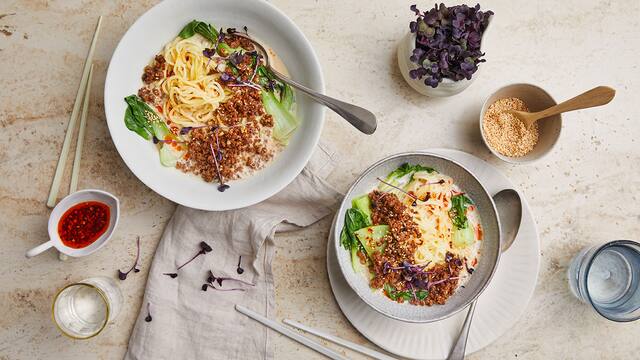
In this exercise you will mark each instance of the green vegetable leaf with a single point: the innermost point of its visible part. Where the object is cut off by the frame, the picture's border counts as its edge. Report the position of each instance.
(407, 168)
(142, 119)
(391, 291)
(402, 176)
(189, 30)
(422, 294)
(199, 27)
(345, 239)
(354, 220)
(459, 204)
(132, 124)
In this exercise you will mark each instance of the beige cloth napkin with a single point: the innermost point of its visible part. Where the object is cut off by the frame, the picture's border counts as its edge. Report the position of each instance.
(188, 323)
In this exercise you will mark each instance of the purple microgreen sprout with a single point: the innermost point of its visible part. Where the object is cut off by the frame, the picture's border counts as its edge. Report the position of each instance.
(241, 83)
(433, 283)
(204, 248)
(148, 318)
(209, 53)
(213, 279)
(222, 187)
(206, 286)
(123, 275)
(470, 270)
(239, 269)
(236, 58)
(415, 199)
(413, 292)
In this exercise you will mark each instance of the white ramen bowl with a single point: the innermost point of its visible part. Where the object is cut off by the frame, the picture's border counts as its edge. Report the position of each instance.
(489, 249)
(148, 35)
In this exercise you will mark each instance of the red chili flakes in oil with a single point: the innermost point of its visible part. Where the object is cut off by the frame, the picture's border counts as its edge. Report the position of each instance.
(83, 224)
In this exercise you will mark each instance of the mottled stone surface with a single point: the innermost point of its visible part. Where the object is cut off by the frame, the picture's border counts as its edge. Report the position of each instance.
(584, 193)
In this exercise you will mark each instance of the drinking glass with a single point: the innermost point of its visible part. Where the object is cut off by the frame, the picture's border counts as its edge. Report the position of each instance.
(83, 309)
(607, 277)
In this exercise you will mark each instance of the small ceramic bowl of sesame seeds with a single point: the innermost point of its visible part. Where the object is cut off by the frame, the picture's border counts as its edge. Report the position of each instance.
(506, 136)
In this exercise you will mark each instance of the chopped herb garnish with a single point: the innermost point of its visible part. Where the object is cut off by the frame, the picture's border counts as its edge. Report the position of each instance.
(393, 294)
(123, 275)
(222, 187)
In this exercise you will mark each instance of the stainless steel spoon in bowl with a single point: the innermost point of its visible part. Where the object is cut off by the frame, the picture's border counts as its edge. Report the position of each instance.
(509, 207)
(362, 119)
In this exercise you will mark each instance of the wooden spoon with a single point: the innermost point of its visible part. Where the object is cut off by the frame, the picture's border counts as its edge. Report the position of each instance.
(597, 96)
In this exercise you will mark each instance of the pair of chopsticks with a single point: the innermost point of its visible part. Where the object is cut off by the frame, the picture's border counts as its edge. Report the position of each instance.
(310, 343)
(82, 99)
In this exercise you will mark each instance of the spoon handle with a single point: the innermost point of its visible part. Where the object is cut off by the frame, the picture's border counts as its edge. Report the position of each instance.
(457, 351)
(597, 96)
(362, 119)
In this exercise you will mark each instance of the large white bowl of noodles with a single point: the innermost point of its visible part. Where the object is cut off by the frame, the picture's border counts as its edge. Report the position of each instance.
(147, 36)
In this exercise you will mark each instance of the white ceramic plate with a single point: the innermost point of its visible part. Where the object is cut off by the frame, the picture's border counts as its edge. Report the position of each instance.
(499, 306)
(148, 35)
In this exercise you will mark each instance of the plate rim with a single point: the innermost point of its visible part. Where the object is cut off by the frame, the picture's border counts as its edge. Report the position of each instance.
(522, 308)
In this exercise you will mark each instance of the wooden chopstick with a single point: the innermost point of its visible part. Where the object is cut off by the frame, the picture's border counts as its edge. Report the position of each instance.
(73, 186)
(62, 160)
(334, 339)
(290, 333)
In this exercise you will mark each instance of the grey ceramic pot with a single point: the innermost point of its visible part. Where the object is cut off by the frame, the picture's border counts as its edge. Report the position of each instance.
(489, 251)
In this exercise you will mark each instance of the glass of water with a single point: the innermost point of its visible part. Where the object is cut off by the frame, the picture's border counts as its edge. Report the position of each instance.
(82, 310)
(607, 277)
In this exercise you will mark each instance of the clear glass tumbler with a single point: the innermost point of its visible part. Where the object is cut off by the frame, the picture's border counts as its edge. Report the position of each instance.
(607, 277)
(83, 309)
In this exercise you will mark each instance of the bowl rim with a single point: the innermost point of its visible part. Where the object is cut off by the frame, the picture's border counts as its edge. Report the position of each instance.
(294, 168)
(342, 209)
(510, 159)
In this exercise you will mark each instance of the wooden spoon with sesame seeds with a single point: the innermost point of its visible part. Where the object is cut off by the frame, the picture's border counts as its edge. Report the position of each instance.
(597, 96)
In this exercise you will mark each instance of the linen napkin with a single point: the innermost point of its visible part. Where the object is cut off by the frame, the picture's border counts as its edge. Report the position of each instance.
(189, 323)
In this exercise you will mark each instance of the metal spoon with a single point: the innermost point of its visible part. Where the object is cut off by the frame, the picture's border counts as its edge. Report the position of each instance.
(509, 207)
(597, 96)
(362, 119)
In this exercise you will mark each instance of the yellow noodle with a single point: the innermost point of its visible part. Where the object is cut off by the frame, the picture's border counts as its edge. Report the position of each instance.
(192, 90)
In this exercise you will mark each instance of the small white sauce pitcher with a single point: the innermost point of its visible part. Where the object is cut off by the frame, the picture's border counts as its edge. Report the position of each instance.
(62, 207)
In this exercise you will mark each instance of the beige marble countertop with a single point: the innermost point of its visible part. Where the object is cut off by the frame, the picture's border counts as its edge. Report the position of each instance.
(585, 193)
